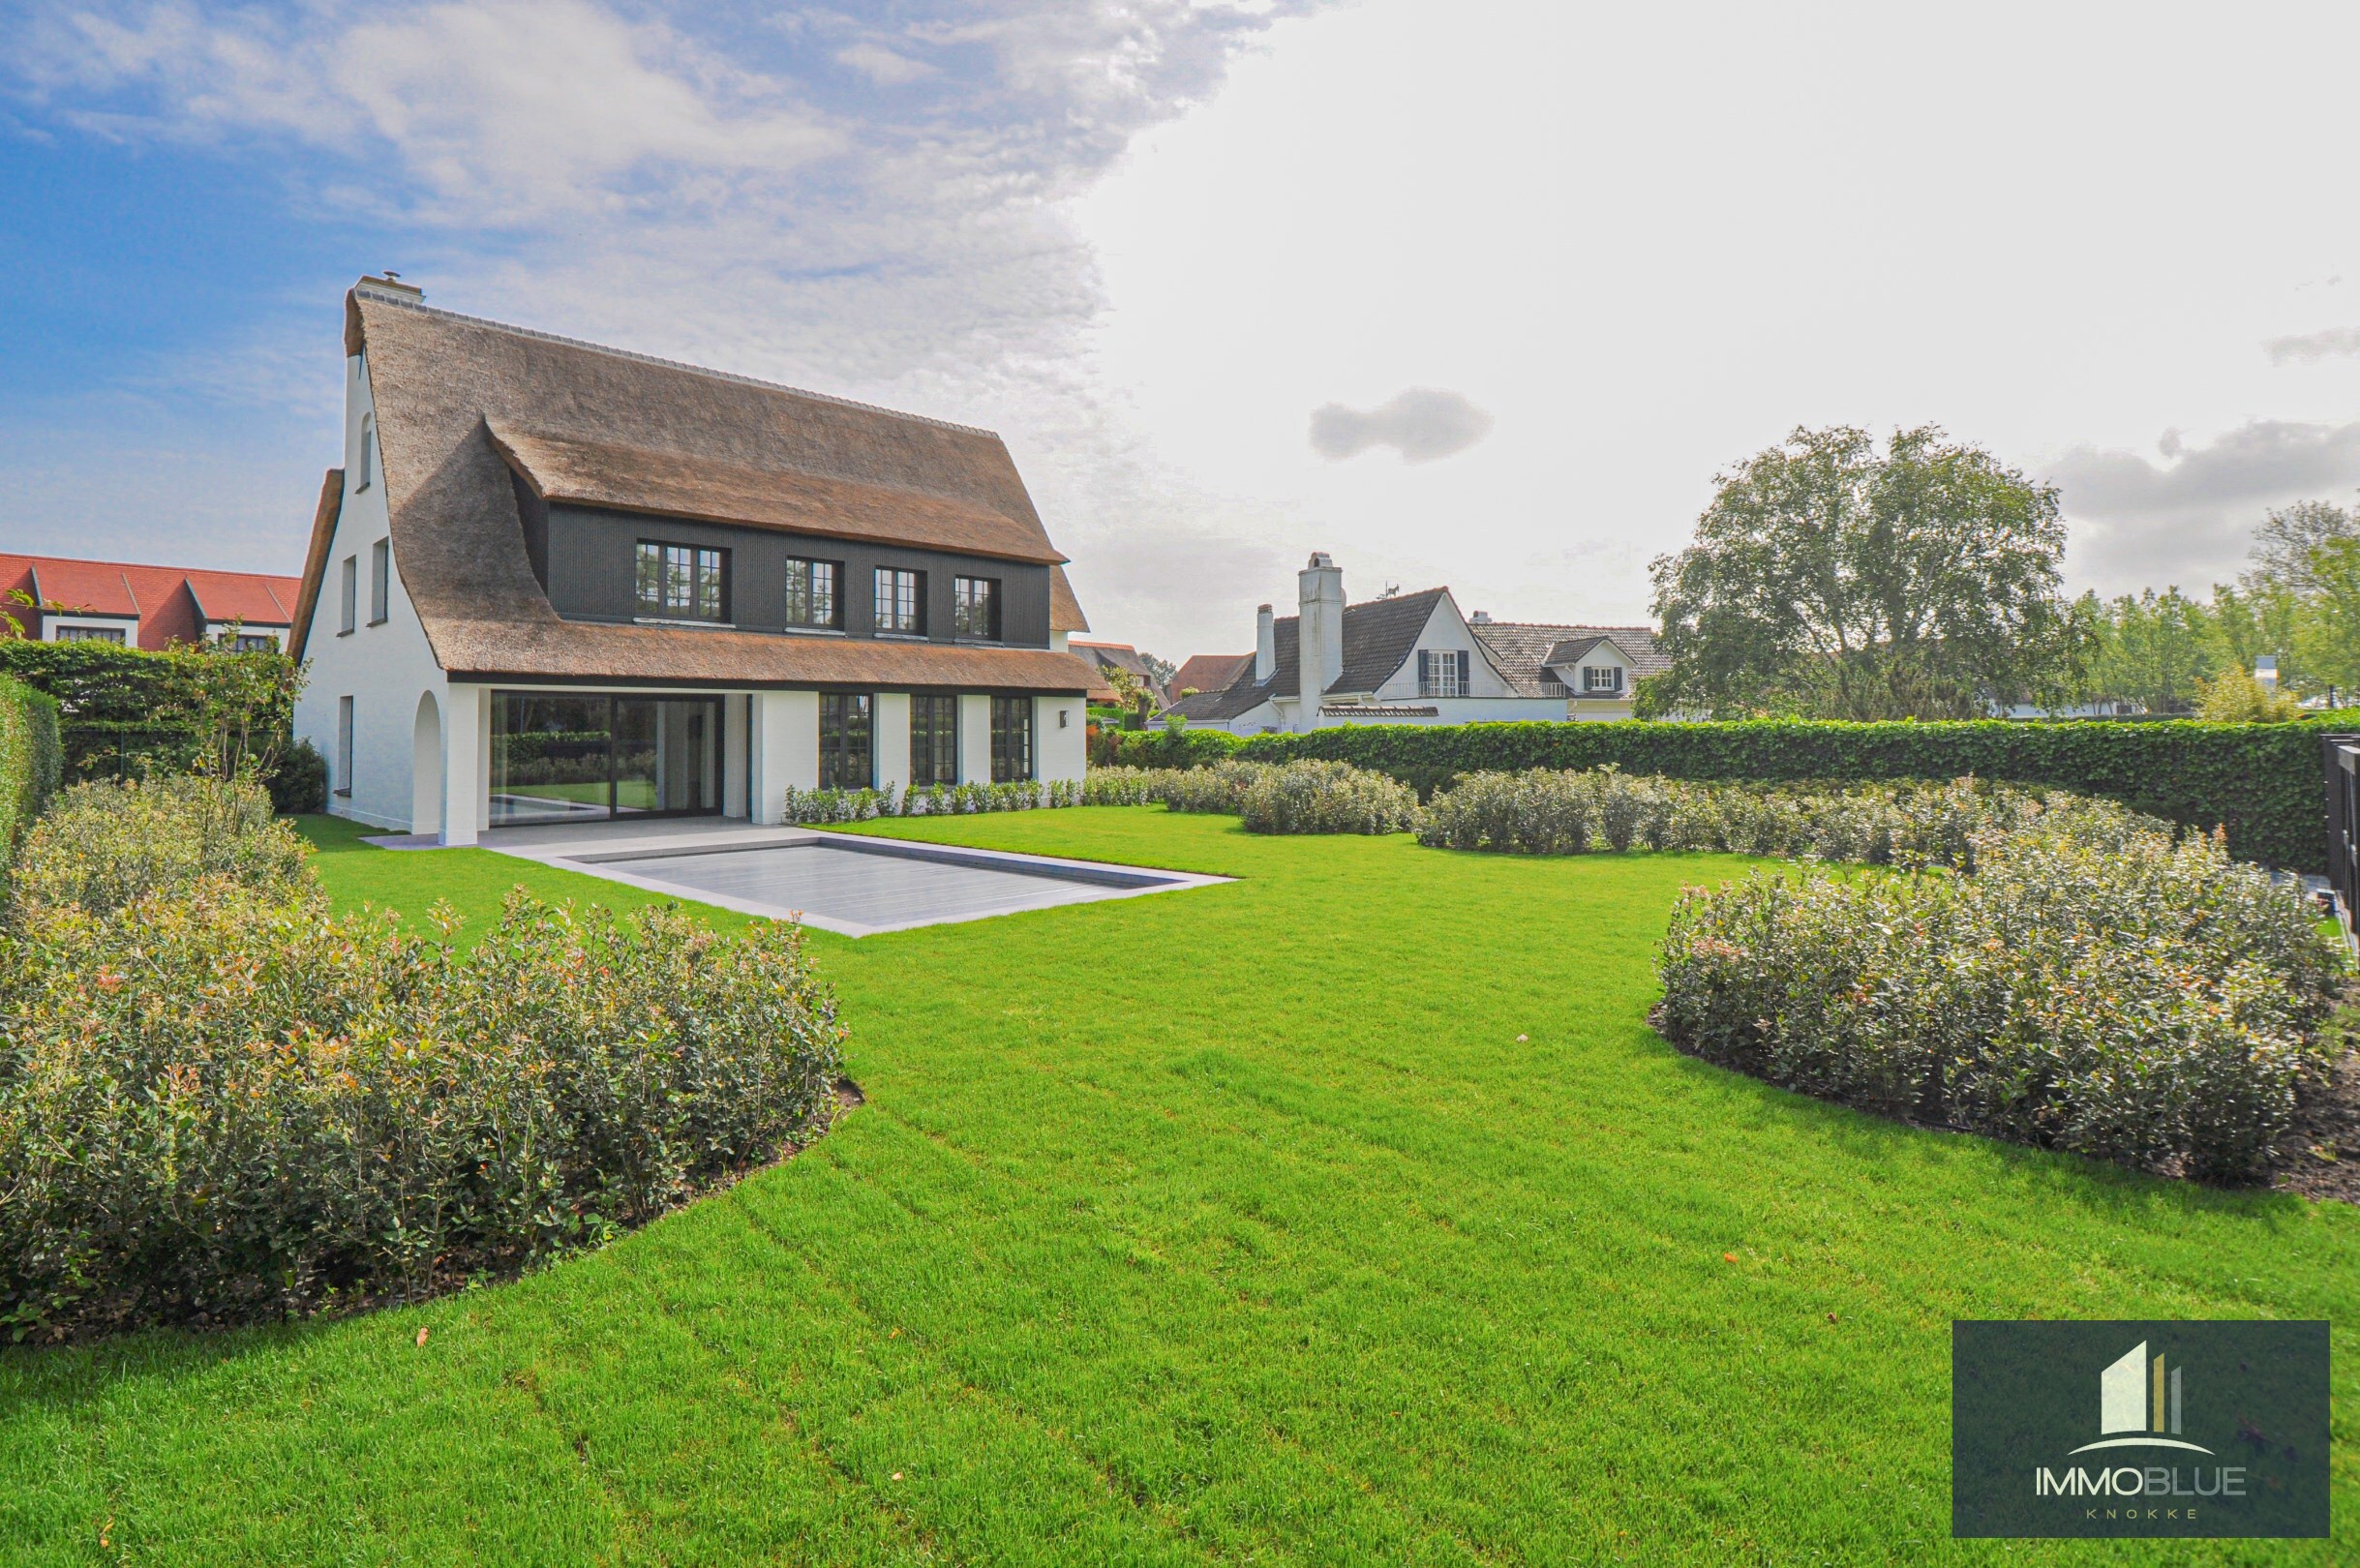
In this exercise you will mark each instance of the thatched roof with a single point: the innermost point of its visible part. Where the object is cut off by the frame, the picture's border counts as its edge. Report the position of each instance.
(459, 401)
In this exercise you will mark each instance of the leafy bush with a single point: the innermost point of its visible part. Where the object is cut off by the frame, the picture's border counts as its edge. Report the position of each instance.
(299, 781)
(1543, 812)
(823, 806)
(1300, 798)
(29, 760)
(2097, 986)
(104, 844)
(1325, 797)
(219, 1103)
(2260, 781)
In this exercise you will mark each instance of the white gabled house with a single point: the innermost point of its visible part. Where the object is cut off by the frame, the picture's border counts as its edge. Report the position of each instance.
(1413, 658)
(560, 582)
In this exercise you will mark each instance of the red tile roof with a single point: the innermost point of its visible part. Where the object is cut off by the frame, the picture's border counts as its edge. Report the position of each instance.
(172, 604)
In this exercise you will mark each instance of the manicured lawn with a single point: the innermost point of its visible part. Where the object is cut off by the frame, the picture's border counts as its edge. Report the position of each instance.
(1227, 1224)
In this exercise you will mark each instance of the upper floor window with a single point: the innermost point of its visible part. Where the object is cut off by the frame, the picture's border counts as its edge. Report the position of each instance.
(350, 596)
(975, 607)
(1601, 677)
(682, 582)
(1441, 671)
(367, 449)
(380, 580)
(90, 634)
(254, 643)
(812, 599)
(1550, 686)
(902, 601)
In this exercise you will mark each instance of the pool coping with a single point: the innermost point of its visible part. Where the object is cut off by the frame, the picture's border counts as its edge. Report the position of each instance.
(1114, 880)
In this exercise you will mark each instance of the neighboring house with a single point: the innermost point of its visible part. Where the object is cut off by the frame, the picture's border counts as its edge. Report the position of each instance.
(149, 607)
(560, 582)
(1413, 658)
(1105, 656)
(1208, 672)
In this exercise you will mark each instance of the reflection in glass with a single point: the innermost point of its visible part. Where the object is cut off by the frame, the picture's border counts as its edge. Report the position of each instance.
(569, 759)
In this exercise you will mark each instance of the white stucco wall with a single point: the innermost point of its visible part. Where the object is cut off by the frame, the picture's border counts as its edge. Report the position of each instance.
(974, 738)
(383, 668)
(1061, 748)
(786, 749)
(890, 738)
(1445, 632)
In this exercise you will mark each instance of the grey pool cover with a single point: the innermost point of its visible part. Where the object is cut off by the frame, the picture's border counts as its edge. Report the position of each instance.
(862, 887)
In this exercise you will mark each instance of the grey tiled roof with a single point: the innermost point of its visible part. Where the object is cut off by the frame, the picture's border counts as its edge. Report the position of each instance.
(1379, 637)
(1521, 648)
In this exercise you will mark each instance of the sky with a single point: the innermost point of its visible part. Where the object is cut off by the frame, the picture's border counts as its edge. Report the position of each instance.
(1473, 293)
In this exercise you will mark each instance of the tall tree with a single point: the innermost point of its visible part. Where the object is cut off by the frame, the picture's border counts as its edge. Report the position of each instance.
(2328, 633)
(2154, 650)
(1834, 580)
(2285, 542)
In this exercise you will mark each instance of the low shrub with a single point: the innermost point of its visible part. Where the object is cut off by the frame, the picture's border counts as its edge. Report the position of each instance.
(299, 781)
(108, 843)
(221, 1103)
(1299, 797)
(1545, 812)
(1325, 797)
(2096, 985)
(823, 806)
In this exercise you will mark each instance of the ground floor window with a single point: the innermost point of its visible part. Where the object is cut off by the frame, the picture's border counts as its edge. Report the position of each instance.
(562, 758)
(933, 741)
(845, 758)
(1011, 739)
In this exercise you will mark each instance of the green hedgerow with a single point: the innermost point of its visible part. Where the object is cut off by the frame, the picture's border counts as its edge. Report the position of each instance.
(104, 844)
(2096, 985)
(1297, 798)
(219, 1102)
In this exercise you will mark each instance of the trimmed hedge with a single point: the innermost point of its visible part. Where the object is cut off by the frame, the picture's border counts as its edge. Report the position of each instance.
(122, 711)
(2264, 783)
(29, 760)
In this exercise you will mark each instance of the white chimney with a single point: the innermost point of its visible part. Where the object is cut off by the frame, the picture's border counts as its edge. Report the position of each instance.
(1319, 635)
(1481, 617)
(1265, 643)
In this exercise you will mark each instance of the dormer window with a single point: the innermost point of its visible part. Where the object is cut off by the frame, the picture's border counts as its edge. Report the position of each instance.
(1441, 671)
(1601, 680)
(682, 582)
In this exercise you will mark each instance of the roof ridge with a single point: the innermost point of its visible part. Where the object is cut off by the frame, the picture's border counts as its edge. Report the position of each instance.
(382, 297)
(143, 566)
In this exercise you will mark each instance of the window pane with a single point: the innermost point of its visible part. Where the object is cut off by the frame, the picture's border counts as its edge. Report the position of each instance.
(844, 741)
(1011, 739)
(551, 757)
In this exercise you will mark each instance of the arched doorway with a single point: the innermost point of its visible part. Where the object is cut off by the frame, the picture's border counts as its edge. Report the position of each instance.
(426, 767)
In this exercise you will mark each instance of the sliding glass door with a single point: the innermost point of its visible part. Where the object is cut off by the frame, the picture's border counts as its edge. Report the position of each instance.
(577, 759)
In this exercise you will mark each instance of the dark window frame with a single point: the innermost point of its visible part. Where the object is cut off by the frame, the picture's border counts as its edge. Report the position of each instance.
(930, 748)
(843, 714)
(707, 566)
(804, 574)
(895, 612)
(1013, 749)
(965, 602)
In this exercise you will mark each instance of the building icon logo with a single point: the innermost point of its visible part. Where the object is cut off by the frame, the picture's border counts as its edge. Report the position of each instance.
(2138, 1401)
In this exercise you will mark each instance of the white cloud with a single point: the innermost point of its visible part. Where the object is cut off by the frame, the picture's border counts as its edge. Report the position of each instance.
(2336, 343)
(883, 66)
(2190, 519)
(1422, 424)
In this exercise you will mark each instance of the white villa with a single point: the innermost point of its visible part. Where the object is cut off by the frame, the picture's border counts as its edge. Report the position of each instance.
(1413, 658)
(558, 582)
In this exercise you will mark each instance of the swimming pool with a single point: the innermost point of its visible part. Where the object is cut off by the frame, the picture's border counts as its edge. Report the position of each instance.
(859, 886)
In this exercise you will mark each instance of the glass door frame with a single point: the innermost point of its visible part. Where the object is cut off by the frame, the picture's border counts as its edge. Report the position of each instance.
(716, 706)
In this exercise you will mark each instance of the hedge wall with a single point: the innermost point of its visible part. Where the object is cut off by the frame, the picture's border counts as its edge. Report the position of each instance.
(121, 708)
(29, 760)
(2264, 782)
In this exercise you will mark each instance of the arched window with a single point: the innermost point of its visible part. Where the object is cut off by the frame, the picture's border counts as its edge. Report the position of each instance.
(367, 450)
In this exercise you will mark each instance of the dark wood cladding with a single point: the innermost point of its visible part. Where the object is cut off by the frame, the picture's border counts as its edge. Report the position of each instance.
(587, 559)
